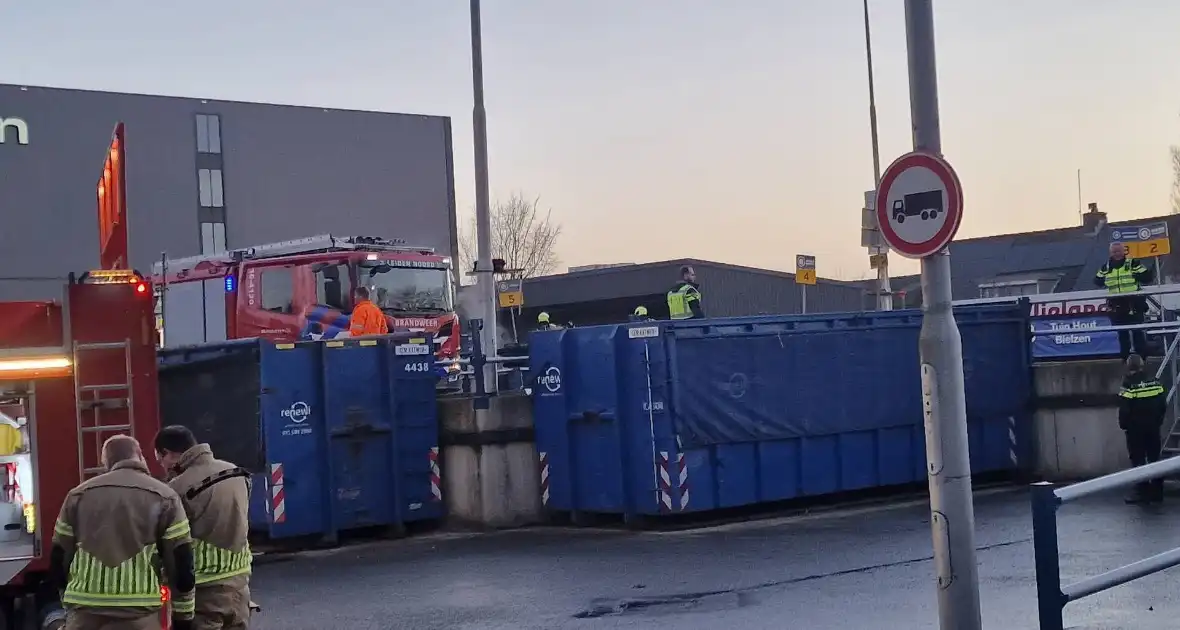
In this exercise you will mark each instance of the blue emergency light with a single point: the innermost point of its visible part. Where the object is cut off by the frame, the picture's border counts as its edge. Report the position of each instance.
(229, 284)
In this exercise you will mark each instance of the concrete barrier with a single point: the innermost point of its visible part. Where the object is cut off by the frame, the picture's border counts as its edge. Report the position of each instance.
(1076, 419)
(489, 466)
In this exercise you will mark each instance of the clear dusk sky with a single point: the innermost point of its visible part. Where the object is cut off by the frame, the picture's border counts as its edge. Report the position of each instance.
(734, 131)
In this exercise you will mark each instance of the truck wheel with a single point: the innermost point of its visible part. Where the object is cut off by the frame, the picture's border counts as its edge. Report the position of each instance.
(900, 218)
(934, 214)
(925, 215)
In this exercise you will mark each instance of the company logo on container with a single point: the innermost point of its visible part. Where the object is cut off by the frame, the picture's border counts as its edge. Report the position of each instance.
(551, 379)
(298, 412)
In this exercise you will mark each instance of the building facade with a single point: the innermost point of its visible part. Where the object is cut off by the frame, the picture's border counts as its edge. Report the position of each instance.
(206, 175)
(1061, 260)
(610, 294)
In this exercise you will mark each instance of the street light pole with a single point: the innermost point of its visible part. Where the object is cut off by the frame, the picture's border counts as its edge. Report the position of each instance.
(941, 349)
(485, 282)
(885, 293)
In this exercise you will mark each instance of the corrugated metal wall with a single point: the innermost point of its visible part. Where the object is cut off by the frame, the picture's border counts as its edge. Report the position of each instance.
(608, 295)
(730, 293)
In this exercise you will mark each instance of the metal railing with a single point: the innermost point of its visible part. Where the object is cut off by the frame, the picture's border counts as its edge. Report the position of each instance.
(471, 367)
(1046, 499)
(1152, 292)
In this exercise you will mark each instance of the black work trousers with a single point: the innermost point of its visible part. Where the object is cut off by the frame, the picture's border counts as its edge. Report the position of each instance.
(1143, 447)
(1129, 338)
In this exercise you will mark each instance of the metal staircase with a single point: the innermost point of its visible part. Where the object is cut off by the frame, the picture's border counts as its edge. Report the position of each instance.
(104, 409)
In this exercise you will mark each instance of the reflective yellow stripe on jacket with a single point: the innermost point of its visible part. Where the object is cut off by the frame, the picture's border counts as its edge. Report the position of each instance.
(215, 564)
(1121, 279)
(1146, 389)
(134, 583)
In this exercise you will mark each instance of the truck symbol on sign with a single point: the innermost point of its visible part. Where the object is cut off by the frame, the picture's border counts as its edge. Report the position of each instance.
(924, 204)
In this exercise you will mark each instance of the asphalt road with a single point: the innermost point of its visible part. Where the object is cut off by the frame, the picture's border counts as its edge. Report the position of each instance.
(863, 568)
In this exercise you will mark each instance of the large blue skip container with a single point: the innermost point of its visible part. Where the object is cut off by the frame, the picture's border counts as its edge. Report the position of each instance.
(661, 417)
(340, 435)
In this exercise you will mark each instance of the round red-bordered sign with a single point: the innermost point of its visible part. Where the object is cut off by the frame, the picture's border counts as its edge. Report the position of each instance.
(914, 221)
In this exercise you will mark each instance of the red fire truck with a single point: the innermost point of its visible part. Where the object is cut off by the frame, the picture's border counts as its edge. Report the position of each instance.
(302, 289)
(73, 372)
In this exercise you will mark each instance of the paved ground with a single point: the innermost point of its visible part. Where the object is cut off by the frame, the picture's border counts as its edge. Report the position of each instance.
(867, 568)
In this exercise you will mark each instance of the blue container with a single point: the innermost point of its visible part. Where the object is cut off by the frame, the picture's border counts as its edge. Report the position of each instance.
(661, 417)
(344, 431)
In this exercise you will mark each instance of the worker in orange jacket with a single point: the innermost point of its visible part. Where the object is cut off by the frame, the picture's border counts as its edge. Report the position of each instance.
(366, 319)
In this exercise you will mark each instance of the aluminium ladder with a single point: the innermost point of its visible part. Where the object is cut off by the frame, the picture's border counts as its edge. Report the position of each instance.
(95, 398)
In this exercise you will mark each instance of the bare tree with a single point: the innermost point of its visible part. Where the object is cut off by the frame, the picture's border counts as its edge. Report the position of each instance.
(523, 234)
(1175, 179)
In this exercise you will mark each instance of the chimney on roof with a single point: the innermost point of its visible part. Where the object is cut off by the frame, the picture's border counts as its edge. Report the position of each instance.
(1094, 219)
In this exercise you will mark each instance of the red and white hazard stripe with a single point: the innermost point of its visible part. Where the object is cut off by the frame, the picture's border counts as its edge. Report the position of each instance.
(435, 476)
(664, 492)
(682, 465)
(544, 457)
(278, 499)
(1012, 441)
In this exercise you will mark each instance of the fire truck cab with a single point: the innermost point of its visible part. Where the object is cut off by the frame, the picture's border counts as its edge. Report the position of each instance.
(73, 373)
(303, 289)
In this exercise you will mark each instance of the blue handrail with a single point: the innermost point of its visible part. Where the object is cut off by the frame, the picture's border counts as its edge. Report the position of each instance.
(1046, 499)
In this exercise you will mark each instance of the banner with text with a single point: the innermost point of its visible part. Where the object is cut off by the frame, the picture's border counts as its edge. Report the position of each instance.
(1071, 337)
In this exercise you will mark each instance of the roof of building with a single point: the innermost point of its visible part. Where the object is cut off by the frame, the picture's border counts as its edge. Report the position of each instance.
(1069, 256)
(636, 280)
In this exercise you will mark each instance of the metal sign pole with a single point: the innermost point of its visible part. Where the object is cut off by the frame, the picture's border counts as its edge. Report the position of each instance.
(803, 288)
(884, 292)
(941, 350)
(485, 281)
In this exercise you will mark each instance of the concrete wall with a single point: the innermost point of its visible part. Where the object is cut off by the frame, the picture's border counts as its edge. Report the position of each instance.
(1078, 435)
(489, 463)
(491, 477)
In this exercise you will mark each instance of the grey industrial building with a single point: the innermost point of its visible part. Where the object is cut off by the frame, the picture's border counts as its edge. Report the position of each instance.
(204, 175)
(610, 293)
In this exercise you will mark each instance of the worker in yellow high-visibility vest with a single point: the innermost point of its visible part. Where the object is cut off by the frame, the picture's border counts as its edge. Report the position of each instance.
(1120, 275)
(684, 300)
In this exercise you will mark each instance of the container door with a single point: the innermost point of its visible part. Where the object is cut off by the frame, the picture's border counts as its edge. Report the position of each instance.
(653, 466)
(292, 413)
(550, 417)
(359, 431)
(594, 421)
(413, 380)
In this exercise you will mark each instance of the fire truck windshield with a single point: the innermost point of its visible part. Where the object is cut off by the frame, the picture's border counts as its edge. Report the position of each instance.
(405, 290)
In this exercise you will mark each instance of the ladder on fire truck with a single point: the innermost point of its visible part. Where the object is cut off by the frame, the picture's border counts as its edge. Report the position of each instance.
(93, 398)
(320, 244)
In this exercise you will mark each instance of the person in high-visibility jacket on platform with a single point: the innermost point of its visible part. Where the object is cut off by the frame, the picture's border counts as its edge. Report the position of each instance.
(640, 314)
(216, 496)
(1123, 274)
(112, 531)
(684, 300)
(366, 318)
(543, 322)
(1142, 407)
